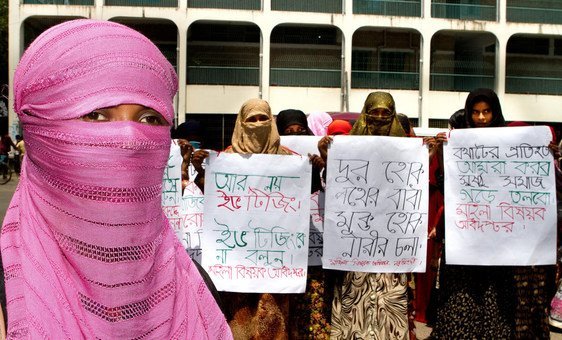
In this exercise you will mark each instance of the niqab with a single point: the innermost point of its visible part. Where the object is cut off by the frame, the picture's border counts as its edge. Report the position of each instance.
(378, 126)
(256, 137)
(290, 117)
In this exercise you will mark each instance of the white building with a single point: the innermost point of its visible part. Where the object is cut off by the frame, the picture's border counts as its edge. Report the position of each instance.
(327, 55)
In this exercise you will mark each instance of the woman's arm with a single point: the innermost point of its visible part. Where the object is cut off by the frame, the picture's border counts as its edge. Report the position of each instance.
(197, 161)
(2, 326)
(323, 147)
(186, 152)
(318, 165)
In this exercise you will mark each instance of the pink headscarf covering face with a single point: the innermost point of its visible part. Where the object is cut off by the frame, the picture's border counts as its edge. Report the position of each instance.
(318, 123)
(86, 249)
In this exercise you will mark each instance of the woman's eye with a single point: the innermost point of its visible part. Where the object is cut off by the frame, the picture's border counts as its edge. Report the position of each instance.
(153, 119)
(257, 118)
(94, 116)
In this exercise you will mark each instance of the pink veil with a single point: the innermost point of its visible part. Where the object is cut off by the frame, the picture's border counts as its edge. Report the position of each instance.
(318, 123)
(86, 249)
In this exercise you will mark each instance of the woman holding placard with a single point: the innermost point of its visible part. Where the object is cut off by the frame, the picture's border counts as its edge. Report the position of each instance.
(310, 312)
(475, 301)
(371, 305)
(491, 301)
(255, 315)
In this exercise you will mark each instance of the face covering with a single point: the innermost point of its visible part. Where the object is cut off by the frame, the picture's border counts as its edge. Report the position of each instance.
(259, 136)
(86, 249)
(372, 125)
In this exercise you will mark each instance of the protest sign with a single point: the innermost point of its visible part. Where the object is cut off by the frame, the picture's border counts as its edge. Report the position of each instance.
(376, 204)
(257, 210)
(305, 145)
(500, 198)
(191, 213)
(171, 187)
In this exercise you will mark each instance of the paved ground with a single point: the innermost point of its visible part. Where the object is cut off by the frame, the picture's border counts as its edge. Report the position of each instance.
(7, 190)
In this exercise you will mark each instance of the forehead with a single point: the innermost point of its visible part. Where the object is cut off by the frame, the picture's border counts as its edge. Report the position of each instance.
(294, 125)
(481, 103)
(380, 101)
(255, 108)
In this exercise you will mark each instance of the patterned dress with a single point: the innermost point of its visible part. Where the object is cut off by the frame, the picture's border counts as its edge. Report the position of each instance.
(475, 302)
(492, 302)
(310, 312)
(370, 306)
(534, 287)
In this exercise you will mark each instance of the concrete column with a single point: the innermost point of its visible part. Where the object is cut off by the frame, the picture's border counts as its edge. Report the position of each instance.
(501, 7)
(501, 55)
(346, 54)
(265, 64)
(98, 10)
(15, 46)
(501, 48)
(425, 57)
(182, 73)
(348, 7)
(426, 8)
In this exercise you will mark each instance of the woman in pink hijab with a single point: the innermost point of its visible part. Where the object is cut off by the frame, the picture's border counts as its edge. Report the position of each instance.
(86, 249)
(318, 123)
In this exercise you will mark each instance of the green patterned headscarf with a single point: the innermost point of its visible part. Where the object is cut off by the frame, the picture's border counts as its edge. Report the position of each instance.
(378, 126)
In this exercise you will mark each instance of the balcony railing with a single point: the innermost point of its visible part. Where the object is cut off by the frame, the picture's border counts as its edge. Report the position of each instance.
(321, 6)
(466, 11)
(227, 4)
(406, 8)
(460, 82)
(222, 75)
(60, 2)
(385, 80)
(305, 77)
(142, 3)
(535, 11)
(533, 85)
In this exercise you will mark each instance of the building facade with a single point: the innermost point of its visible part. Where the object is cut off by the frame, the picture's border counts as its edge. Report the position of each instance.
(327, 55)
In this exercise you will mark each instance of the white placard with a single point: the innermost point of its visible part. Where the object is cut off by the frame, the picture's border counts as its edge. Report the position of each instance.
(376, 204)
(305, 145)
(191, 172)
(500, 199)
(302, 145)
(316, 236)
(257, 211)
(171, 187)
(191, 212)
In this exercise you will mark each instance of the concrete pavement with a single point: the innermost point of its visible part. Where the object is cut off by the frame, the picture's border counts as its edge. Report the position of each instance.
(6, 193)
